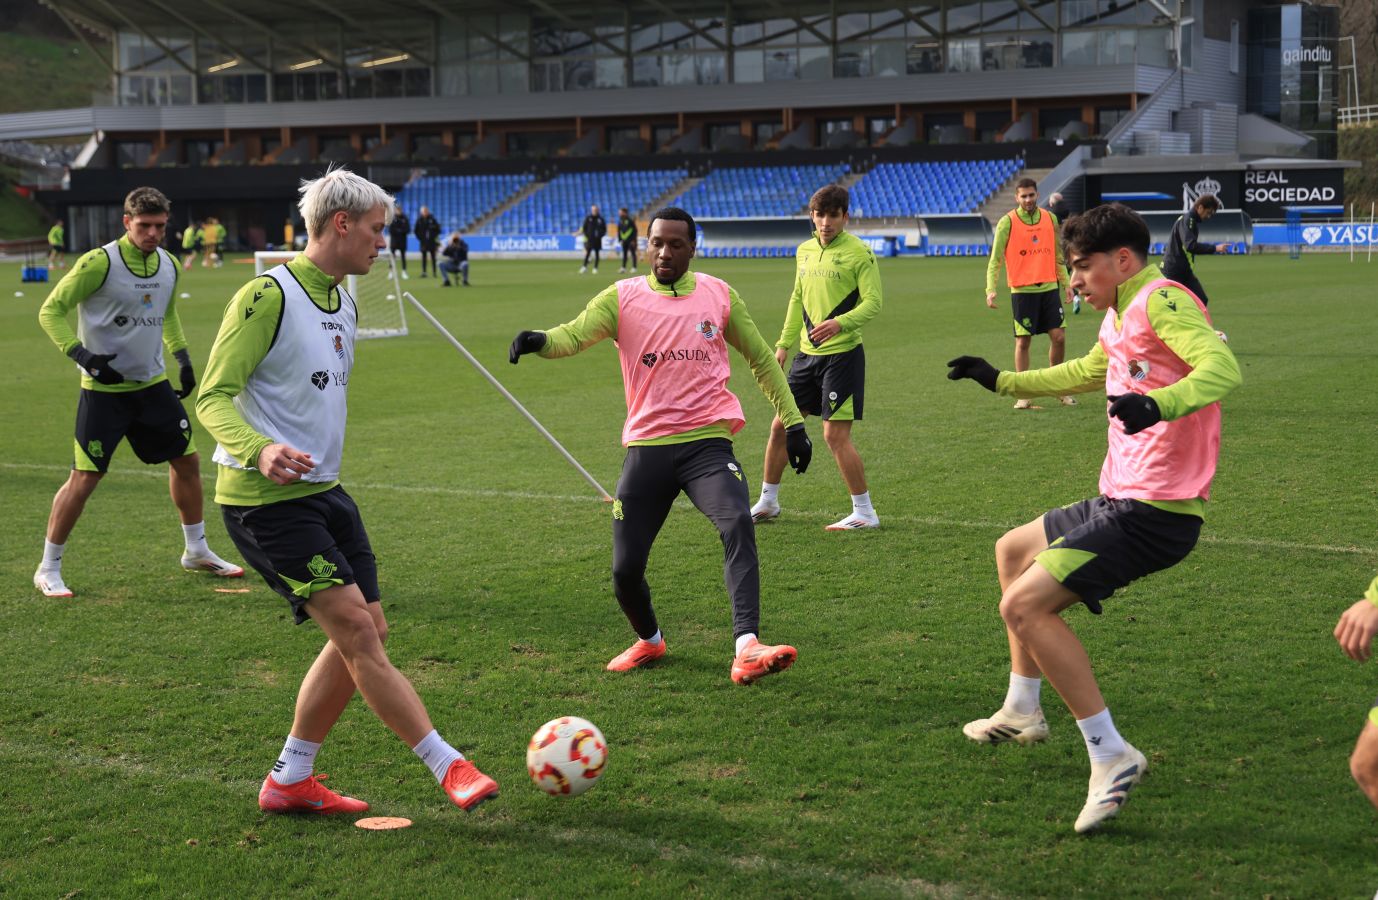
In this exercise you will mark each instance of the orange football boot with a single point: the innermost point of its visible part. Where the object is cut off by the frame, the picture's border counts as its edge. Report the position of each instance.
(637, 655)
(307, 796)
(759, 660)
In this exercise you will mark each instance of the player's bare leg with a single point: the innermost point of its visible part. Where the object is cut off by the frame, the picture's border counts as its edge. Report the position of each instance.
(838, 436)
(776, 458)
(1363, 762)
(328, 687)
(184, 484)
(1022, 343)
(68, 503)
(1057, 346)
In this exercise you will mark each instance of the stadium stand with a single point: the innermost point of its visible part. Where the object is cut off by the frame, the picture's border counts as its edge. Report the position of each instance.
(559, 206)
(932, 188)
(459, 200)
(758, 190)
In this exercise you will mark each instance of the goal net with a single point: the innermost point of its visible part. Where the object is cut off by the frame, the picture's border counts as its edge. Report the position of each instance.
(377, 294)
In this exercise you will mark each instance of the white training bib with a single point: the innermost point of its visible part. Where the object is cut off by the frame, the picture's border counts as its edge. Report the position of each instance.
(125, 315)
(297, 394)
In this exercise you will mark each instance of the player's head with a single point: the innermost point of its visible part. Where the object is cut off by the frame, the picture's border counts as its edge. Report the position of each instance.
(670, 242)
(1105, 246)
(828, 210)
(1026, 194)
(345, 218)
(1207, 205)
(622, 212)
(145, 217)
(425, 210)
(593, 210)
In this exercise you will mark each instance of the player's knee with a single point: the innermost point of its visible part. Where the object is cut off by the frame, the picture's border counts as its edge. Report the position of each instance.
(837, 439)
(1015, 610)
(1363, 768)
(1009, 551)
(627, 577)
(1057, 337)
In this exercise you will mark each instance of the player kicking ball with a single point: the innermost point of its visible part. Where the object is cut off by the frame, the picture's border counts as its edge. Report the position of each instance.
(274, 399)
(1164, 372)
(672, 330)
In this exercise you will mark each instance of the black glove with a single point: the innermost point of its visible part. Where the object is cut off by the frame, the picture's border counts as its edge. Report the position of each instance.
(185, 374)
(1136, 411)
(799, 447)
(975, 368)
(97, 365)
(525, 342)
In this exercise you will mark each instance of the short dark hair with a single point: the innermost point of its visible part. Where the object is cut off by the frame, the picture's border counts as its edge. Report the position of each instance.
(1209, 202)
(675, 214)
(146, 201)
(1025, 183)
(1103, 229)
(831, 198)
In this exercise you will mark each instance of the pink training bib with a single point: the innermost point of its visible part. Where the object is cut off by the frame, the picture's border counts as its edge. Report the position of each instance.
(674, 359)
(1172, 460)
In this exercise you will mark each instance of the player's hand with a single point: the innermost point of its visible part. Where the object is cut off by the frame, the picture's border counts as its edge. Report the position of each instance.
(1222, 248)
(1136, 411)
(799, 447)
(284, 464)
(185, 374)
(1356, 629)
(990, 299)
(1067, 301)
(525, 342)
(824, 331)
(975, 368)
(97, 365)
(781, 354)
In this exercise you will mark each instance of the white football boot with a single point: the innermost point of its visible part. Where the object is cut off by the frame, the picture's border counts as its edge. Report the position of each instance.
(854, 522)
(765, 510)
(1023, 403)
(1006, 726)
(1109, 791)
(209, 562)
(51, 584)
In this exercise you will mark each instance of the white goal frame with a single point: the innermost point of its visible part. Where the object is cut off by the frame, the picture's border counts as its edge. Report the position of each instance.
(267, 259)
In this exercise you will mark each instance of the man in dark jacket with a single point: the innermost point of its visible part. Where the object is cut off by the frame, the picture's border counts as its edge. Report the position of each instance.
(398, 229)
(1058, 206)
(594, 228)
(626, 239)
(428, 234)
(1179, 260)
(456, 261)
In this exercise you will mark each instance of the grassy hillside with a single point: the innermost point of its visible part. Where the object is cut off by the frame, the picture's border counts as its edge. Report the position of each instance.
(43, 73)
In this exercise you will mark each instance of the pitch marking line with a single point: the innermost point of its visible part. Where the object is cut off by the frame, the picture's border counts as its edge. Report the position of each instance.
(929, 521)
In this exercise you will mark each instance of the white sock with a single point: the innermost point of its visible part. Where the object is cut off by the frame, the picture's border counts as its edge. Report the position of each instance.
(655, 638)
(52, 556)
(1103, 741)
(195, 536)
(436, 754)
(1022, 697)
(295, 763)
(743, 641)
(861, 505)
(770, 492)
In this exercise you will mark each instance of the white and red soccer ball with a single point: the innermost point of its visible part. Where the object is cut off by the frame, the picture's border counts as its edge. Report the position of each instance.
(566, 756)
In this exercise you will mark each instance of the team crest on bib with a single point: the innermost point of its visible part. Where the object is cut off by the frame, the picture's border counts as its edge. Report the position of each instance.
(707, 329)
(148, 300)
(1139, 369)
(339, 346)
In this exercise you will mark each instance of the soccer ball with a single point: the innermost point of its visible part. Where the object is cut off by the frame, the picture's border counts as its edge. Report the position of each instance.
(566, 756)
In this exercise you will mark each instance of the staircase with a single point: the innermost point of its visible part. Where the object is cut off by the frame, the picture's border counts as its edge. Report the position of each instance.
(477, 226)
(1003, 200)
(680, 187)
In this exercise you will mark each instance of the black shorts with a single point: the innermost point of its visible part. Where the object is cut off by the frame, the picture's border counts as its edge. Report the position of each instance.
(397, 246)
(153, 420)
(833, 385)
(306, 545)
(1037, 313)
(56, 248)
(1100, 545)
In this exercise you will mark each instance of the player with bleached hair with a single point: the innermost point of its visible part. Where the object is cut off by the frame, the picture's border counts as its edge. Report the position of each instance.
(1164, 373)
(275, 399)
(125, 297)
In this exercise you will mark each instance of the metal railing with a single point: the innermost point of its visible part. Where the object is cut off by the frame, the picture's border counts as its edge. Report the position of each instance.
(1358, 115)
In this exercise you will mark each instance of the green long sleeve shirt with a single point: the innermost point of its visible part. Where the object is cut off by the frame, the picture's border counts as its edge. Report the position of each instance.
(247, 331)
(1002, 240)
(599, 320)
(840, 281)
(83, 280)
(1183, 328)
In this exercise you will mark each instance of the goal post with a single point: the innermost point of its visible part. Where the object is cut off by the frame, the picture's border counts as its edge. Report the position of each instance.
(378, 295)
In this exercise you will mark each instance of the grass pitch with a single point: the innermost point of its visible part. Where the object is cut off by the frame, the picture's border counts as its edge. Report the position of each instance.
(137, 720)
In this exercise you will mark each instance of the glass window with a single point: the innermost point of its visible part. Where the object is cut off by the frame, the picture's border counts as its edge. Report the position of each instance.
(609, 73)
(1001, 51)
(999, 14)
(1188, 37)
(661, 135)
(578, 74)
(887, 58)
(853, 61)
(328, 86)
(511, 79)
(747, 33)
(483, 80)
(748, 66)
(782, 64)
(964, 55)
(645, 71)
(256, 88)
(417, 81)
(815, 63)
(888, 24)
(677, 68)
(849, 24)
(1153, 47)
(181, 89)
(765, 131)
(923, 56)
(711, 68)
(1078, 48)
(877, 127)
(1108, 117)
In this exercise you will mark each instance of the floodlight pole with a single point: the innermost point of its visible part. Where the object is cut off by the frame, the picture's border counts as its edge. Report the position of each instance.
(607, 498)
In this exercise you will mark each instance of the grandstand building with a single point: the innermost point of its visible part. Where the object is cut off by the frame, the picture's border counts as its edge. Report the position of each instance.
(509, 118)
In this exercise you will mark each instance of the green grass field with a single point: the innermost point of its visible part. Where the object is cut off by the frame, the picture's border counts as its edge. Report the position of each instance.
(137, 720)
